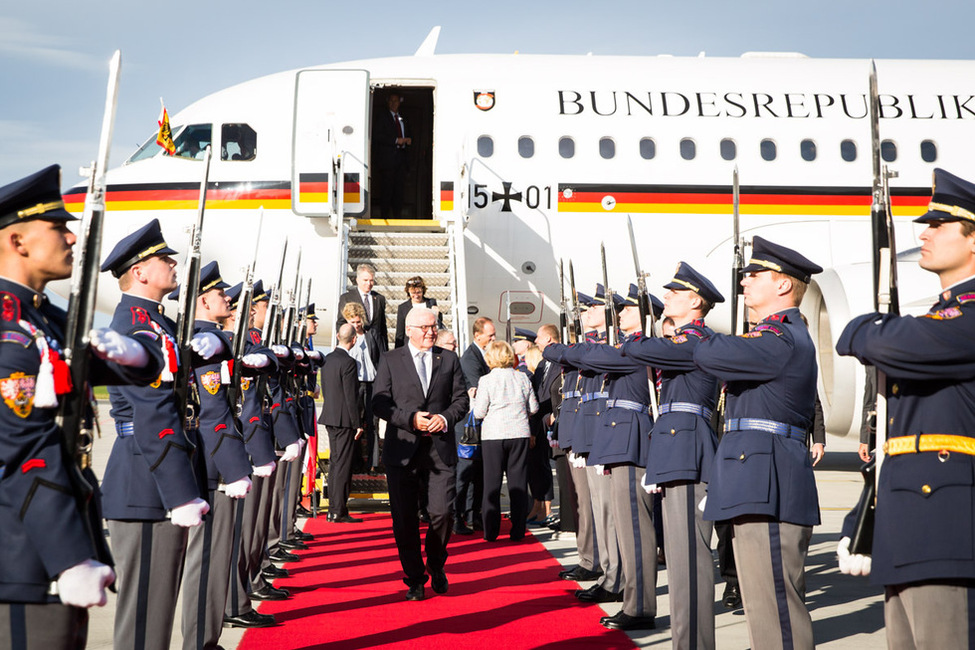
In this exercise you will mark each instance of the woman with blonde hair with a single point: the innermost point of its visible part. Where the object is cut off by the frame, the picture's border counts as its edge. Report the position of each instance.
(504, 401)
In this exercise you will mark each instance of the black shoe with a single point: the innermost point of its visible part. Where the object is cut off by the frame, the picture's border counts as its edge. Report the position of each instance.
(250, 619)
(272, 572)
(281, 555)
(731, 597)
(623, 621)
(476, 523)
(461, 529)
(293, 545)
(438, 580)
(302, 511)
(415, 593)
(344, 519)
(302, 536)
(580, 574)
(596, 594)
(424, 516)
(270, 593)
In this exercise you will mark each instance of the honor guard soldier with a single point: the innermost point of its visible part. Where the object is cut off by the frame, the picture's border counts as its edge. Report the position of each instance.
(252, 510)
(592, 400)
(681, 453)
(762, 478)
(307, 385)
(49, 568)
(923, 550)
(567, 428)
(620, 444)
(207, 566)
(154, 481)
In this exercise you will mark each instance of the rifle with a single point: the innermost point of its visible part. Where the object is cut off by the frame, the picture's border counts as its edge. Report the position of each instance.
(576, 315)
(269, 335)
(885, 301)
(610, 308)
(738, 262)
(74, 418)
(242, 320)
(563, 307)
(507, 322)
(646, 314)
(187, 301)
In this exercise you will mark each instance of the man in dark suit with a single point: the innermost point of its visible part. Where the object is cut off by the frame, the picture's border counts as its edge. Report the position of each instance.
(372, 301)
(340, 415)
(390, 139)
(421, 407)
(470, 471)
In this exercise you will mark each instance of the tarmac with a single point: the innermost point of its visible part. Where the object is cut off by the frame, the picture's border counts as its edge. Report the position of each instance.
(847, 612)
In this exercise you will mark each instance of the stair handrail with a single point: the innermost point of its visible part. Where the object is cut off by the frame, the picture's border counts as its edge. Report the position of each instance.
(342, 228)
(457, 267)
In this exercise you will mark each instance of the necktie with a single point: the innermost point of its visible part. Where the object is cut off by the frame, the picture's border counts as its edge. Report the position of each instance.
(399, 125)
(367, 303)
(421, 369)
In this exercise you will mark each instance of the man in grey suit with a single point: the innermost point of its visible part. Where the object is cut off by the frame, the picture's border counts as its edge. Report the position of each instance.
(373, 302)
(420, 392)
(340, 415)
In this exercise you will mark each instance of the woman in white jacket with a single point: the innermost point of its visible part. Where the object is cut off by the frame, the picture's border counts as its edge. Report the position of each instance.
(504, 401)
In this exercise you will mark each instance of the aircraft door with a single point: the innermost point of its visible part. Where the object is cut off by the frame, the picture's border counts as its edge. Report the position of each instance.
(330, 134)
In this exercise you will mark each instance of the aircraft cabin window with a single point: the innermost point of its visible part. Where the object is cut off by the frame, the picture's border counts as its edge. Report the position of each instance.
(192, 141)
(729, 150)
(526, 147)
(888, 150)
(238, 142)
(567, 147)
(929, 151)
(648, 148)
(688, 149)
(768, 150)
(848, 150)
(485, 146)
(607, 148)
(807, 149)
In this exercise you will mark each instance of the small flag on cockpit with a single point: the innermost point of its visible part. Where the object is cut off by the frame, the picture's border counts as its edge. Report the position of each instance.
(165, 137)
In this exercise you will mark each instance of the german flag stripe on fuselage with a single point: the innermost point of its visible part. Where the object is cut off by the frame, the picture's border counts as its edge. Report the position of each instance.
(698, 199)
(446, 195)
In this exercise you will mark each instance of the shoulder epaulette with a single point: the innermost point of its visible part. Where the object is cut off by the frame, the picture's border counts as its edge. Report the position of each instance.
(966, 297)
(944, 314)
(760, 329)
(13, 336)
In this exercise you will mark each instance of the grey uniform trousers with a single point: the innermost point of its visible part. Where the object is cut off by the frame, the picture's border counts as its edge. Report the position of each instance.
(148, 568)
(40, 626)
(604, 530)
(585, 532)
(930, 615)
(771, 557)
(633, 516)
(690, 567)
(207, 572)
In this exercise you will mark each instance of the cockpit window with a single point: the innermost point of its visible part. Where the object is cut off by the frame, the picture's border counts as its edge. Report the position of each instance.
(192, 140)
(148, 149)
(238, 142)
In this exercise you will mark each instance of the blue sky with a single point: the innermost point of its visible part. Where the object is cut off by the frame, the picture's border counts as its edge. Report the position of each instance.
(54, 53)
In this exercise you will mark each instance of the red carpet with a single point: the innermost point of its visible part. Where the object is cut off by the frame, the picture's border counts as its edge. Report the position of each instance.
(348, 593)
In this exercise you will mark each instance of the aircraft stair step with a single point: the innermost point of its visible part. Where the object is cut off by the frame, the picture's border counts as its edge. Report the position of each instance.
(410, 265)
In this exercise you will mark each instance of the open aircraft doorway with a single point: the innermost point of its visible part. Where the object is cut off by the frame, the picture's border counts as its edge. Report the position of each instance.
(402, 177)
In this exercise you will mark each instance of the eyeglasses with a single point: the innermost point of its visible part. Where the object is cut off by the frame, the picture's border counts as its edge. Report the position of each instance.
(426, 328)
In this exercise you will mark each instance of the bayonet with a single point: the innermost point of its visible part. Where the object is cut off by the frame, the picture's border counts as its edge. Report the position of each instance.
(609, 308)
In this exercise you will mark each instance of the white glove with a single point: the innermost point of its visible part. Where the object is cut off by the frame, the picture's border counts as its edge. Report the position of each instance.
(189, 514)
(264, 471)
(577, 461)
(651, 488)
(238, 489)
(255, 360)
(83, 585)
(206, 344)
(552, 442)
(280, 351)
(291, 452)
(299, 353)
(314, 355)
(109, 344)
(852, 564)
(600, 470)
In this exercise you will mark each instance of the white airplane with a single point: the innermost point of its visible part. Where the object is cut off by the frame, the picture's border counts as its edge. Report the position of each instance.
(524, 161)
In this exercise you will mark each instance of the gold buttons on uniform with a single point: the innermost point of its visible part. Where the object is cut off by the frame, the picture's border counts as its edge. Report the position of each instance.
(895, 389)
(926, 489)
(673, 432)
(742, 457)
(612, 424)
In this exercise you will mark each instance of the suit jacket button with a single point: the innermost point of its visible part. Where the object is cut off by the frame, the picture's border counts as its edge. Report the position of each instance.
(926, 489)
(613, 424)
(673, 432)
(742, 457)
